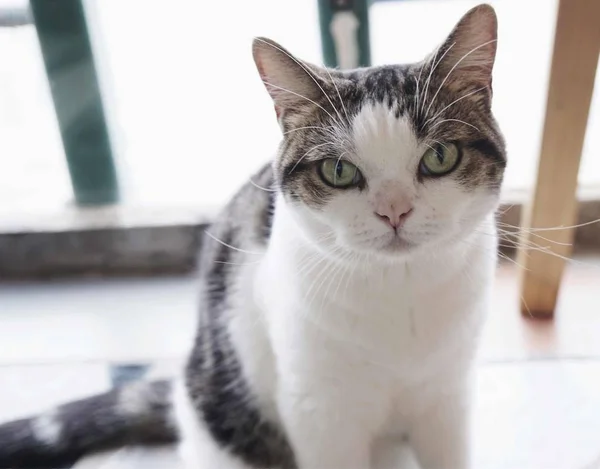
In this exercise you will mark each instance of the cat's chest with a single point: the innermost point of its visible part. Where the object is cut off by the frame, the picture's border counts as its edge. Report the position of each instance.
(389, 317)
(402, 322)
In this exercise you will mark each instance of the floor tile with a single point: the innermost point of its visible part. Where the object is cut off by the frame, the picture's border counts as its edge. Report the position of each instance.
(115, 320)
(538, 415)
(508, 335)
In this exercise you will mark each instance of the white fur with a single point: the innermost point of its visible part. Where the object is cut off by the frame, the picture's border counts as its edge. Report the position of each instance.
(350, 343)
(47, 428)
(133, 399)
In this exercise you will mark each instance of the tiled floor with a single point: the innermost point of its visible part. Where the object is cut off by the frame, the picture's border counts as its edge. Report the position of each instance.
(537, 400)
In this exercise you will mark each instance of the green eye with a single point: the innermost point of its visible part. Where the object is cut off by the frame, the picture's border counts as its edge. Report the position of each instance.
(339, 173)
(439, 160)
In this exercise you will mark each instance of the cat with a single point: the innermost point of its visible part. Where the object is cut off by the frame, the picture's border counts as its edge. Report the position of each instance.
(343, 288)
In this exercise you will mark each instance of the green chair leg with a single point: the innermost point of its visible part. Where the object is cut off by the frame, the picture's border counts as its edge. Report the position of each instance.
(67, 53)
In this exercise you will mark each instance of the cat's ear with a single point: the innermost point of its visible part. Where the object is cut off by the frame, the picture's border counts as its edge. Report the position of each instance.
(288, 80)
(469, 52)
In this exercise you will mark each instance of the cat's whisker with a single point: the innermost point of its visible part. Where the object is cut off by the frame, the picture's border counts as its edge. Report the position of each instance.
(439, 143)
(338, 162)
(515, 244)
(308, 72)
(346, 269)
(556, 228)
(332, 264)
(418, 91)
(307, 263)
(317, 283)
(355, 264)
(305, 154)
(526, 306)
(452, 104)
(559, 256)
(511, 260)
(509, 237)
(266, 189)
(518, 234)
(336, 271)
(452, 120)
(505, 210)
(433, 67)
(316, 127)
(453, 68)
(429, 146)
(338, 93)
(494, 252)
(313, 255)
(310, 267)
(326, 235)
(529, 245)
(346, 261)
(230, 246)
(301, 96)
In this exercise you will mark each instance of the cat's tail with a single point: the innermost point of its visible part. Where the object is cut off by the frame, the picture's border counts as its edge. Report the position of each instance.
(137, 413)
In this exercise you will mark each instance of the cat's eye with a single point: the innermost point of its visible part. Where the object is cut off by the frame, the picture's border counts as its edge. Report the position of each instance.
(440, 160)
(339, 173)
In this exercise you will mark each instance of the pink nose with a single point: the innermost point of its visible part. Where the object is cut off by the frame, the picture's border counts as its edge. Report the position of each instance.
(393, 214)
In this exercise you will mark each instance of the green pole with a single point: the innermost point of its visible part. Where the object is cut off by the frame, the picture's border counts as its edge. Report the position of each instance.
(360, 9)
(67, 52)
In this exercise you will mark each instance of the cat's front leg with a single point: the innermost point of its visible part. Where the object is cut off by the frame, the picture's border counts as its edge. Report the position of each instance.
(440, 435)
(324, 427)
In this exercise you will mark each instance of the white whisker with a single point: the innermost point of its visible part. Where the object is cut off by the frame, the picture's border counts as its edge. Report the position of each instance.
(453, 120)
(528, 245)
(430, 147)
(328, 128)
(439, 143)
(416, 99)
(303, 156)
(300, 96)
(506, 209)
(266, 189)
(452, 69)
(338, 162)
(338, 93)
(230, 246)
(520, 232)
(453, 103)
(433, 67)
(561, 227)
(309, 73)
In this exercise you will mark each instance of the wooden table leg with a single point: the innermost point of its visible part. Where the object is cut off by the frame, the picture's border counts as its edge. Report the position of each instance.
(554, 204)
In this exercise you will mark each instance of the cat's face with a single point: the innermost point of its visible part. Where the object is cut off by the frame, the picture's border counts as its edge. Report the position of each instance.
(390, 160)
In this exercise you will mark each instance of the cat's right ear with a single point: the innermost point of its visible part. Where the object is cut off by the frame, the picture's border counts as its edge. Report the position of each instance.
(289, 81)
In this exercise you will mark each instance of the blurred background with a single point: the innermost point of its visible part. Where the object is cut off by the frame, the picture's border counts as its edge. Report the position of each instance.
(126, 124)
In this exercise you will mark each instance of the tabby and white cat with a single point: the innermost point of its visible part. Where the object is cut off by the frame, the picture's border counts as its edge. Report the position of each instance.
(343, 288)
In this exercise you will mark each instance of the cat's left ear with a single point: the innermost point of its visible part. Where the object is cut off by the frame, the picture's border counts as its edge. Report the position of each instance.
(469, 52)
(290, 81)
